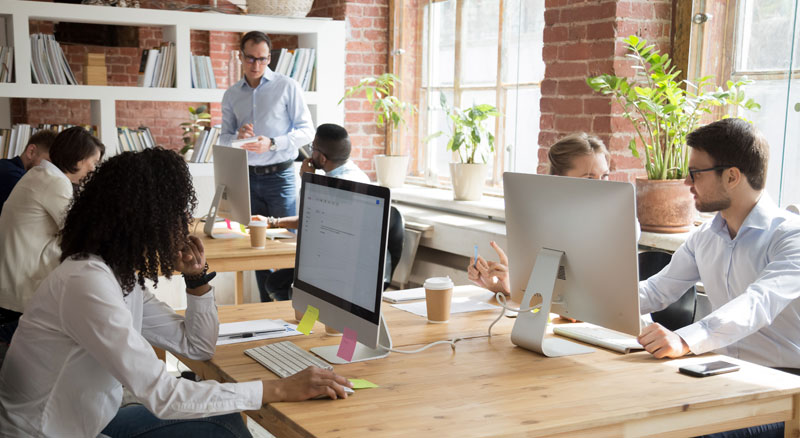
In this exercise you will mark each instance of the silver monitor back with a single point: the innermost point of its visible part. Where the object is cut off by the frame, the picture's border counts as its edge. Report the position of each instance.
(230, 171)
(594, 223)
(341, 245)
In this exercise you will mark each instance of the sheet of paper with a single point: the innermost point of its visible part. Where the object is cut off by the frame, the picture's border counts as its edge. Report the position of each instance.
(279, 233)
(309, 318)
(458, 305)
(290, 330)
(348, 345)
(399, 296)
(255, 326)
(243, 141)
(362, 384)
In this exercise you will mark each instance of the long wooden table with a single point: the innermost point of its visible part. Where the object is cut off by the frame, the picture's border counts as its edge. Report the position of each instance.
(489, 387)
(236, 255)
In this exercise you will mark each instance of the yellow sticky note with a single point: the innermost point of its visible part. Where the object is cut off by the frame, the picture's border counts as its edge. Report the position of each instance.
(309, 318)
(362, 384)
(241, 227)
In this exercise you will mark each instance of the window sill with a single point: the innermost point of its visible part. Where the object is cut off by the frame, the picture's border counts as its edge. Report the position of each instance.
(490, 207)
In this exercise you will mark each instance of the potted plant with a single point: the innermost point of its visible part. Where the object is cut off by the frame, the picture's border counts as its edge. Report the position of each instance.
(391, 167)
(199, 120)
(467, 139)
(663, 112)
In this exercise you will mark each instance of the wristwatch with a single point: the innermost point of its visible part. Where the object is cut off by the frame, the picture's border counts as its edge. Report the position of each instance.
(272, 145)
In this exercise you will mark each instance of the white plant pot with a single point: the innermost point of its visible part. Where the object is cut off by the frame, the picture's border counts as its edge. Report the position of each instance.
(391, 170)
(468, 181)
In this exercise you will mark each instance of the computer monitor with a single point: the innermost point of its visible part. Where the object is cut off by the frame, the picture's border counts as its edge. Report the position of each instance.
(232, 196)
(341, 246)
(573, 242)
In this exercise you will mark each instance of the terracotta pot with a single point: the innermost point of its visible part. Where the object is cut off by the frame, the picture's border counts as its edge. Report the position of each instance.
(664, 206)
(468, 181)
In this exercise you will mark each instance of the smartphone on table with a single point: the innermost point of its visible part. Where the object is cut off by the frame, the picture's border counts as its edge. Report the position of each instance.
(709, 368)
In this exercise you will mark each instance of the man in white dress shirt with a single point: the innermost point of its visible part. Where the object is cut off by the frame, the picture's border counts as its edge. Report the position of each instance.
(748, 257)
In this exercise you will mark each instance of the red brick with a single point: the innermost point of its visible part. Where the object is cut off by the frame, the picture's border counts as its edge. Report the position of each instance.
(572, 87)
(601, 124)
(596, 31)
(555, 34)
(627, 162)
(551, 17)
(568, 106)
(575, 51)
(597, 105)
(573, 124)
(576, 32)
(566, 69)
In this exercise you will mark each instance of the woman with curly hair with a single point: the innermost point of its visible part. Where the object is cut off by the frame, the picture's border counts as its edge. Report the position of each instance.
(90, 326)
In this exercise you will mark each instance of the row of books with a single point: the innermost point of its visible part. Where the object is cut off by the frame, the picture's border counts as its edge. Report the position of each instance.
(14, 140)
(135, 139)
(6, 63)
(298, 64)
(202, 72)
(202, 146)
(158, 67)
(48, 63)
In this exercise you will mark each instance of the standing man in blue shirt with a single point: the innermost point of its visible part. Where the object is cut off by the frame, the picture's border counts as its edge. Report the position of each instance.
(11, 170)
(268, 107)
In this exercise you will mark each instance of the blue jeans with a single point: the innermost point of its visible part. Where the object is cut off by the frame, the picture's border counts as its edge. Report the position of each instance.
(136, 421)
(275, 195)
(279, 284)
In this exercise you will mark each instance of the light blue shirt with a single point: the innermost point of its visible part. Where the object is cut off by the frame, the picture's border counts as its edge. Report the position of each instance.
(350, 172)
(752, 282)
(276, 109)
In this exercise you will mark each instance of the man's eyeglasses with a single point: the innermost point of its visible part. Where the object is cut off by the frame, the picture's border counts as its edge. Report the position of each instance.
(251, 59)
(692, 172)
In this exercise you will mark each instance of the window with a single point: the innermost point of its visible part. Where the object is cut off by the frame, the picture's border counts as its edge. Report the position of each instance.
(478, 52)
(764, 46)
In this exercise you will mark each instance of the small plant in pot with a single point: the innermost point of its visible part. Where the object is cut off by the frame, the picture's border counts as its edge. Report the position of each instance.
(471, 141)
(390, 114)
(199, 120)
(663, 111)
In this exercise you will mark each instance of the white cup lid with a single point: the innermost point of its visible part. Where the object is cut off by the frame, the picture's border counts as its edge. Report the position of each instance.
(257, 224)
(438, 283)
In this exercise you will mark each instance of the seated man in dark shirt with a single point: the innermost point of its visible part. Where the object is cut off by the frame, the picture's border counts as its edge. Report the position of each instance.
(11, 170)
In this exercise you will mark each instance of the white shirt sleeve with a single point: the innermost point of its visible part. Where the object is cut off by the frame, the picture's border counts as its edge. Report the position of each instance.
(667, 286)
(759, 305)
(96, 317)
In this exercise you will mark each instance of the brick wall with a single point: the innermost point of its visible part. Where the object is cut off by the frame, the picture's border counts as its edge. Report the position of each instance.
(583, 38)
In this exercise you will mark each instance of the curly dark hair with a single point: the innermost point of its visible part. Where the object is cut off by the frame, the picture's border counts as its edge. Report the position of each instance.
(134, 211)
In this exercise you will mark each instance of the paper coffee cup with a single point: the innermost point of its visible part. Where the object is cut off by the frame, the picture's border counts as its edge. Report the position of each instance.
(438, 295)
(258, 234)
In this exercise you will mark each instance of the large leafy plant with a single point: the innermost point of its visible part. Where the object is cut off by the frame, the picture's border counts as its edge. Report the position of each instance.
(468, 131)
(379, 91)
(664, 110)
(199, 120)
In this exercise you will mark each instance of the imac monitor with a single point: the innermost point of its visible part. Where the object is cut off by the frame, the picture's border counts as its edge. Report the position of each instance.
(232, 196)
(341, 246)
(572, 242)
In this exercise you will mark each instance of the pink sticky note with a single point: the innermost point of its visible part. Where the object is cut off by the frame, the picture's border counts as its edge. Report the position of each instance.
(348, 345)
(228, 222)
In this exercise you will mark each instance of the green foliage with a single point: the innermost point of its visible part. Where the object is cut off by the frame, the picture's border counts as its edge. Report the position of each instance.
(199, 120)
(379, 92)
(662, 110)
(468, 131)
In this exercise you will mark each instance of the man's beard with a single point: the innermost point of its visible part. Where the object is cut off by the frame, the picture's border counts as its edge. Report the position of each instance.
(714, 205)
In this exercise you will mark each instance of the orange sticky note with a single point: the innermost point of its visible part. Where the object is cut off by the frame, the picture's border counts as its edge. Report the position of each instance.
(348, 345)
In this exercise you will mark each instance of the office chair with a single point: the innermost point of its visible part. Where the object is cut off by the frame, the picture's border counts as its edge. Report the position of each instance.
(678, 314)
(394, 244)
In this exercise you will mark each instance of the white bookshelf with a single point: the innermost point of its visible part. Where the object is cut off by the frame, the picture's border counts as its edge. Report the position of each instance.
(325, 35)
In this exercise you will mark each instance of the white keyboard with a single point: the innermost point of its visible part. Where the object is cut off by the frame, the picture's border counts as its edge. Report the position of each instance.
(600, 336)
(285, 358)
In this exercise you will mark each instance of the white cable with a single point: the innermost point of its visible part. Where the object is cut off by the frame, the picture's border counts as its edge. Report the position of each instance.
(501, 300)
(451, 342)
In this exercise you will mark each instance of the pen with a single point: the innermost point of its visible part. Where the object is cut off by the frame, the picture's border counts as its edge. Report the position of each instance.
(249, 334)
(476, 257)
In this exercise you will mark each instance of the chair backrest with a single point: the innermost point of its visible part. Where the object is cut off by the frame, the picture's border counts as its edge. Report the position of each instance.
(394, 244)
(678, 314)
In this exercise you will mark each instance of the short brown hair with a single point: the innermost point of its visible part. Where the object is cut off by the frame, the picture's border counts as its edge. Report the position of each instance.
(565, 150)
(256, 36)
(737, 143)
(73, 145)
(43, 139)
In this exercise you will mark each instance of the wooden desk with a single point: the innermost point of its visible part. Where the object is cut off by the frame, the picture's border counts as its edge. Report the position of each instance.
(236, 255)
(489, 387)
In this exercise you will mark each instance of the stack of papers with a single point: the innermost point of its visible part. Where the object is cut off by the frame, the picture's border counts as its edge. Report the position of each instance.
(246, 331)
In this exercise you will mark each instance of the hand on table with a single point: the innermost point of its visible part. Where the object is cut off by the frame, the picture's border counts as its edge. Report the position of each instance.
(309, 383)
(661, 342)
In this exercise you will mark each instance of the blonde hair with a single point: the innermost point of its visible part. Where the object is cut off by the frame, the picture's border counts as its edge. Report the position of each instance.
(565, 150)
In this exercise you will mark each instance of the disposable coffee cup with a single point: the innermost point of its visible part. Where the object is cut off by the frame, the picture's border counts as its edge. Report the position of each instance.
(438, 295)
(258, 234)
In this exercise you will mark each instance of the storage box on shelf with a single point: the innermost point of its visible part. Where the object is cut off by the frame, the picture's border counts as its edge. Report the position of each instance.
(324, 35)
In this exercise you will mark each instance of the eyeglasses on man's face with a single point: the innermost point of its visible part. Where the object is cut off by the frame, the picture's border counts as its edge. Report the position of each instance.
(251, 59)
(692, 172)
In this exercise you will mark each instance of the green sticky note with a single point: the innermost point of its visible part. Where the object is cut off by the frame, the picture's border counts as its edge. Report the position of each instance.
(309, 318)
(362, 384)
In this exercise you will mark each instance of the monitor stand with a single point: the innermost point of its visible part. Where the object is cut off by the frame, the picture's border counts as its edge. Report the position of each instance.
(530, 328)
(211, 218)
(362, 352)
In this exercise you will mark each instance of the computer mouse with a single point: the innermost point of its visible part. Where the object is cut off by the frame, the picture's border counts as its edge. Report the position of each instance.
(349, 391)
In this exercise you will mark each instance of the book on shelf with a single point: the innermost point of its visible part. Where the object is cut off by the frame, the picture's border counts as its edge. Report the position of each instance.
(134, 139)
(202, 72)
(203, 144)
(48, 63)
(142, 68)
(6, 64)
(159, 69)
(298, 64)
(15, 139)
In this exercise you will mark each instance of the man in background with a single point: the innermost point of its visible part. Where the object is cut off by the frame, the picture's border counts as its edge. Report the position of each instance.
(11, 170)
